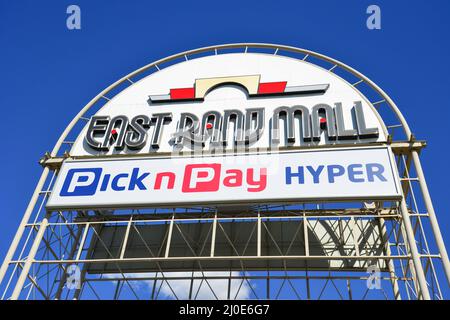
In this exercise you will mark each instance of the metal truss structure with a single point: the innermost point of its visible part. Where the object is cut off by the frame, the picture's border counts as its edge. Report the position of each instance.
(305, 250)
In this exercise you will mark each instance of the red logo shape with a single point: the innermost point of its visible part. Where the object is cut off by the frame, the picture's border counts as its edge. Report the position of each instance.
(201, 178)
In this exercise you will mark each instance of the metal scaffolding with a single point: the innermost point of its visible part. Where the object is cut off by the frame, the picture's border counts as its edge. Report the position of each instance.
(303, 250)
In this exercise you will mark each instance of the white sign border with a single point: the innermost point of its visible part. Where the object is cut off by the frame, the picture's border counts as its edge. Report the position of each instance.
(387, 148)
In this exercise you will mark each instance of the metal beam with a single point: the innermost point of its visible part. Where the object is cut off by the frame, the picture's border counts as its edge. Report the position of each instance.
(432, 215)
(23, 223)
(30, 259)
(422, 283)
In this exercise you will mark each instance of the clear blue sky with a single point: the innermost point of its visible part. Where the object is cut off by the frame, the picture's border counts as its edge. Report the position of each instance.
(48, 72)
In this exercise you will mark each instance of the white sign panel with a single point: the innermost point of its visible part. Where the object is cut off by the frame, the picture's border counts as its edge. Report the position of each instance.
(272, 101)
(340, 174)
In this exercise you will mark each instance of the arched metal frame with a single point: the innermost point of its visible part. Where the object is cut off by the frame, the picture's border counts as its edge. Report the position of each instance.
(407, 151)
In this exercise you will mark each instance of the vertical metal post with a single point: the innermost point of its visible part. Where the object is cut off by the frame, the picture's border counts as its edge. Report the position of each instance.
(410, 264)
(191, 286)
(97, 229)
(169, 237)
(432, 215)
(352, 225)
(305, 235)
(420, 275)
(213, 235)
(306, 240)
(258, 244)
(349, 289)
(229, 287)
(30, 259)
(390, 262)
(83, 240)
(125, 239)
(154, 287)
(21, 229)
(117, 291)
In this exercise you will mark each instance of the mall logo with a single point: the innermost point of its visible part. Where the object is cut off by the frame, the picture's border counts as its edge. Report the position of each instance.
(212, 128)
(196, 178)
(211, 177)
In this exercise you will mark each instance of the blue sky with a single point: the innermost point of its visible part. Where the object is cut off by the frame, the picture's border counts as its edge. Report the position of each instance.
(49, 72)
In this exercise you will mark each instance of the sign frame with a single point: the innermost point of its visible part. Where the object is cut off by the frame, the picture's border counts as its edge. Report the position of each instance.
(172, 204)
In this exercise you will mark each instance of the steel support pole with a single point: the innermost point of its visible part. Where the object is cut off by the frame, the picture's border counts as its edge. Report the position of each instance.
(420, 275)
(30, 259)
(390, 262)
(258, 236)
(21, 229)
(213, 235)
(432, 215)
(97, 229)
(125, 238)
(410, 263)
(169, 237)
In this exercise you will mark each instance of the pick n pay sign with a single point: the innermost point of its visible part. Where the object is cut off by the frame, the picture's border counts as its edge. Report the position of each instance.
(364, 173)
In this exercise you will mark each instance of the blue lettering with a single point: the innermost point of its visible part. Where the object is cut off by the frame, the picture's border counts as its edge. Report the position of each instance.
(315, 173)
(352, 173)
(115, 182)
(105, 182)
(300, 175)
(375, 170)
(81, 182)
(136, 181)
(334, 171)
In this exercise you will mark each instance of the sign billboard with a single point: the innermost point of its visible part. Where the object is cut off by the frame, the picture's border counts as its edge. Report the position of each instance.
(218, 102)
(320, 174)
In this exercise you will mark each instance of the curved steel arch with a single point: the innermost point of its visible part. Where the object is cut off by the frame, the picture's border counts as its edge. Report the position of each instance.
(246, 46)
